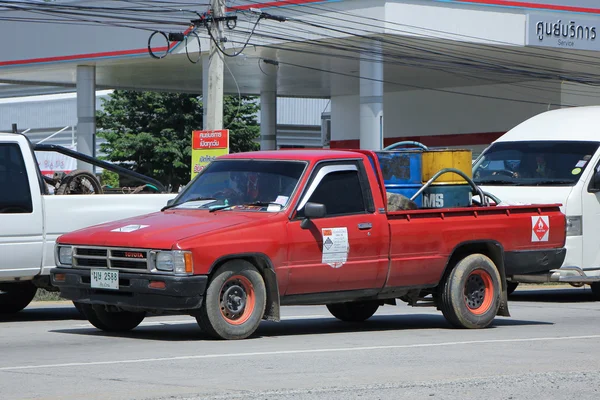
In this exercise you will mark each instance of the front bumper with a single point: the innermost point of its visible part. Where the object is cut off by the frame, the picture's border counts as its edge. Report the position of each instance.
(180, 293)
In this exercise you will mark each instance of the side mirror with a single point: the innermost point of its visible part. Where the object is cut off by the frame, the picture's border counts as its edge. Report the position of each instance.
(312, 210)
(595, 183)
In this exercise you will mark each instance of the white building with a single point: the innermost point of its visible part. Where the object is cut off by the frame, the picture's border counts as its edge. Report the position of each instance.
(444, 72)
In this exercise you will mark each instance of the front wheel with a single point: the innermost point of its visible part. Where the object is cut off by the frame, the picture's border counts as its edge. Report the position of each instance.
(111, 321)
(353, 312)
(470, 295)
(234, 303)
(16, 296)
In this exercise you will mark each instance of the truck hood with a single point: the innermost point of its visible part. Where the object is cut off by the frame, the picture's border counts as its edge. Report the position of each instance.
(161, 230)
(516, 195)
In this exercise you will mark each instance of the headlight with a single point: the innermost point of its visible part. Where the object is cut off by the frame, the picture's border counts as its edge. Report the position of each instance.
(574, 225)
(177, 261)
(65, 255)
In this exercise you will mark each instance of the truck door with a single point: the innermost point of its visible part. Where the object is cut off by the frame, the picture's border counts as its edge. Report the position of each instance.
(346, 250)
(21, 216)
(591, 223)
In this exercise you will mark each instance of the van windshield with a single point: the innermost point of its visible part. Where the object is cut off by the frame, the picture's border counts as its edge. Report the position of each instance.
(542, 163)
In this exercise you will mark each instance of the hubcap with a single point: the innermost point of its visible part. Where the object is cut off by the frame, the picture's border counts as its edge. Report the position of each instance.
(474, 291)
(234, 299)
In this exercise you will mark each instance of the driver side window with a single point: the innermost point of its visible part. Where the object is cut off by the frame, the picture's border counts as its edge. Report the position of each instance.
(341, 193)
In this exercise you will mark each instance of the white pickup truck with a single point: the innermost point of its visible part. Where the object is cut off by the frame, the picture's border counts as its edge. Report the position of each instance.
(31, 220)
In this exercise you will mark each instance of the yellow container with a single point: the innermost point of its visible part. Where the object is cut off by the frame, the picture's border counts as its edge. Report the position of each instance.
(435, 160)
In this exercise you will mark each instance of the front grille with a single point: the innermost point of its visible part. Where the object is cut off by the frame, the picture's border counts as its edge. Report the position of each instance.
(124, 264)
(82, 251)
(134, 260)
(90, 262)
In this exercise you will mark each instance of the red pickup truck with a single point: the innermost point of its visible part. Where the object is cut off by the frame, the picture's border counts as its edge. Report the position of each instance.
(255, 231)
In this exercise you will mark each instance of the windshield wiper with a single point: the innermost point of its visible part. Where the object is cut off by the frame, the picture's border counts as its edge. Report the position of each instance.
(187, 201)
(494, 182)
(255, 203)
(552, 181)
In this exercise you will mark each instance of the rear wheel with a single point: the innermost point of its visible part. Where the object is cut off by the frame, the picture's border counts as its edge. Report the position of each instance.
(470, 295)
(234, 303)
(79, 307)
(111, 321)
(596, 290)
(353, 312)
(511, 287)
(16, 296)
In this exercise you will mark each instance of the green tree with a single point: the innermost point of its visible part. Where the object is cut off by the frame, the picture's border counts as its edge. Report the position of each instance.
(151, 132)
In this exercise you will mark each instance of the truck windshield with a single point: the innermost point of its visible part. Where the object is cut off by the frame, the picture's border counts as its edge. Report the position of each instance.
(248, 185)
(538, 163)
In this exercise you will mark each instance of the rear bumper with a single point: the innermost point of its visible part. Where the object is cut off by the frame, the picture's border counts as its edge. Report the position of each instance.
(533, 261)
(179, 294)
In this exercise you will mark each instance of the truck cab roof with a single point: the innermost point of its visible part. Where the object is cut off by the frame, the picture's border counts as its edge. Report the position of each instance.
(296, 154)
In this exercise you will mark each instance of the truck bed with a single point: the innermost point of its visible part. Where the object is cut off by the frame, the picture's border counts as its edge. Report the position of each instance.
(435, 234)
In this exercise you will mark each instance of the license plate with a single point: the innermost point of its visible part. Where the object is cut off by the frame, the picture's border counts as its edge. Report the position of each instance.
(104, 279)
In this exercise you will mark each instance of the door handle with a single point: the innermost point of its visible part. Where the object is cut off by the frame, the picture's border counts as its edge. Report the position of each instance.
(365, 225)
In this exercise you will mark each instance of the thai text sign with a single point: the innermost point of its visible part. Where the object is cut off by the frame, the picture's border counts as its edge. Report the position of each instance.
(566, 31)
(206, 146)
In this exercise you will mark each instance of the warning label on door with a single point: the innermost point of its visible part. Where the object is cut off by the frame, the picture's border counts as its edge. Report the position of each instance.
(335, 246)
(540, 229)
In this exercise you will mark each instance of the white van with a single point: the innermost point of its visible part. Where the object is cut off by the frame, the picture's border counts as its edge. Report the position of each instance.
(553, 157)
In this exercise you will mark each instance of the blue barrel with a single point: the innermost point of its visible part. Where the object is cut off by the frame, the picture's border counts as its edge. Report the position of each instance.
(401, 167)
(445, 196)
(406, 190)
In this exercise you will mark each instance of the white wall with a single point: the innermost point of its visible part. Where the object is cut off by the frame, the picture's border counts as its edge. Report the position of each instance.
(581, 95)
(427, 112)
(431, 113)
(345, 121)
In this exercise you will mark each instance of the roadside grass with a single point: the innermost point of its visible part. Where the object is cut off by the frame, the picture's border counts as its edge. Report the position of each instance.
(44, 295)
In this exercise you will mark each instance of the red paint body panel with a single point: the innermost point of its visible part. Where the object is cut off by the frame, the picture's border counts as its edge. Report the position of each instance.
(401, 249)
(422, 241)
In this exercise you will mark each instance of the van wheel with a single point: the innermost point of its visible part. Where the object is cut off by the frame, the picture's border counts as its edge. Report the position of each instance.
(596, 290)
(470, 295)
(353, 312)
(111, 321)
(511, 287)
(16, 296)
(234, 303)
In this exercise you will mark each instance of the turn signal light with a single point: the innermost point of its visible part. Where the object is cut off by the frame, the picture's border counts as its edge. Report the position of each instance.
(60, 277)
(189, 264)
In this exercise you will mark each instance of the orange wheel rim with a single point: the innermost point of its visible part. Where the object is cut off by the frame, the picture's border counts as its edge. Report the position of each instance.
(237, 299)
(479, 292)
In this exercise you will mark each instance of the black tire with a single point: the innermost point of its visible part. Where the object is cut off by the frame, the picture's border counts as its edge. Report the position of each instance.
(111, 321)
(234, 303)
(79, 182)
(511, 287)
(596, 290)
(470, 295)
(353, 312)
(79, 307)
(16, 296)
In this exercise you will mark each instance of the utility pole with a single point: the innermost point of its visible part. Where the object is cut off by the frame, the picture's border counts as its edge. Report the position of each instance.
(214, 97)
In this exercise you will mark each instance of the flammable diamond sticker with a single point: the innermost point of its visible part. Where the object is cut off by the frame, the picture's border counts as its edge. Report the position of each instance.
(540, 227)
(328, 243)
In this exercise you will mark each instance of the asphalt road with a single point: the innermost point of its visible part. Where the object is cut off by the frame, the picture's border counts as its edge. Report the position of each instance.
(548, 349)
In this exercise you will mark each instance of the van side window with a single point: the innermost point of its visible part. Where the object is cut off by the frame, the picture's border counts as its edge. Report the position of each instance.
(15, 195)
